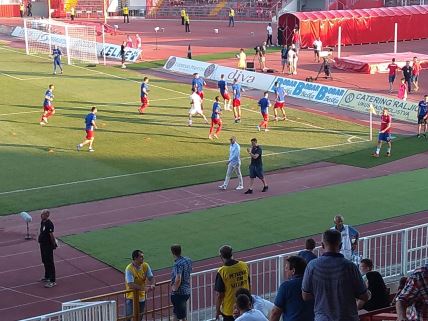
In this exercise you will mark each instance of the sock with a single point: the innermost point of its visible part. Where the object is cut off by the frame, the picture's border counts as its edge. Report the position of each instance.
(389, 150)
(377, 150)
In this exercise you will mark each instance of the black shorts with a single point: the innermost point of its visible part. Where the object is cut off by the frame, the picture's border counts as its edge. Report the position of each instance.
(256, 171)
(179, 302)
(422, 120)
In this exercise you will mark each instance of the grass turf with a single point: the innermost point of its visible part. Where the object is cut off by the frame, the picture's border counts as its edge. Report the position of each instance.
(257, 223)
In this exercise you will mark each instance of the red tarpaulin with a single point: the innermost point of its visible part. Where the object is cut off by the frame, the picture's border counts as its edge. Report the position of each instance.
(358, 26)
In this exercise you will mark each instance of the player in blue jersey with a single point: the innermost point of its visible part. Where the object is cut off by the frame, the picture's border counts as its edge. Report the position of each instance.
(279, 101)
(144, 95)
(215, 119)
(48, 107)
(236, 103)
(56, 54)
(264, 104)
(90, 126)
(224, 91)
(198, 83)
(422, 116)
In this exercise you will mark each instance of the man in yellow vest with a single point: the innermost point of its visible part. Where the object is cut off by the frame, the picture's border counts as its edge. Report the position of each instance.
(230, 277)
(136, 275)
(187, 23)
(231, 17)
(125, 14)
(72, 13)
(21, 9)
(183, 16)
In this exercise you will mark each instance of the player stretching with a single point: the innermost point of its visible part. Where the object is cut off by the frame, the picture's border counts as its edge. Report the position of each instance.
(90, 126)
(236, 103)
(48, 107)
(196, 106)
(198, 83)
(384, 133)
(264, 104)
(144, 95)
(56, 54)
(215, 119)
(279, 102)
(222, 85)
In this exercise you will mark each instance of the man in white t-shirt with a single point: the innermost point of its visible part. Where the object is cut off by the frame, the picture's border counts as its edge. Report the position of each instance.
(269, 35)
(196, 106)
(257, 303)
(317, 48)
(246, 313)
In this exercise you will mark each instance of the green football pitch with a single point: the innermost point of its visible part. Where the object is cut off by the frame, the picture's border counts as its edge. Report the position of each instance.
(41, 167)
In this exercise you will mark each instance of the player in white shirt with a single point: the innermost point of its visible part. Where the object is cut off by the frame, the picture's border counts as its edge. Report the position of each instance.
(196, 106)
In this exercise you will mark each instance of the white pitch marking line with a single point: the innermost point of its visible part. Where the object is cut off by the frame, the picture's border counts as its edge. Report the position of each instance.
(10, 76)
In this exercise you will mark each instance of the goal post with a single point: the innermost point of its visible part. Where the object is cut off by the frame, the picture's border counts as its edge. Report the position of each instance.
(78, 43)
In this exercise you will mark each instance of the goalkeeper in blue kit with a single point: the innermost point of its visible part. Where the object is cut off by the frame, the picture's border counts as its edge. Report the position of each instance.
(56, 54)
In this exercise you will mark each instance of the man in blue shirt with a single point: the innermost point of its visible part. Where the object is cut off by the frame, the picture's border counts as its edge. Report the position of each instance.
(56, 54)
(422, 116)
(215, 119)
(256, 166)
(223, 86)
(264, 104)
(236, 103)
(90, 126)
(289, 301)
(334, 283)
(307, 254)
(180, 282)
(233, 164)
(279, 101)
(144, 94)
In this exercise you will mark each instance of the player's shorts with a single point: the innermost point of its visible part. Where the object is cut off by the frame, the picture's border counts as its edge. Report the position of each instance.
(391, 78)
(225, 96)
(415, 78)
(200, 94)
(256, 171)
(283, 62)
(279, 104)
(195, 110)
(89, 134)
(386, 137)
(422, 120)
(265, 116)
(49, 108)
(236, 102)
(57, 61)
(216, 121)
(144, 101)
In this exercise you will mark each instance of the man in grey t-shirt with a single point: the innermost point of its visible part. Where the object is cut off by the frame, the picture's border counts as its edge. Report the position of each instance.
(334, 283)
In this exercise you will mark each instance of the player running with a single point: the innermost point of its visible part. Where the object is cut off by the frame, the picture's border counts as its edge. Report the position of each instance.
(236, 103)
(224, 91)
(279, 101)
(198, 83)
(48, 107)
(384, 133)
(215, 119)
(144, 95)
(196, 107)
(56, 54)
(90, 126)
(264, 104)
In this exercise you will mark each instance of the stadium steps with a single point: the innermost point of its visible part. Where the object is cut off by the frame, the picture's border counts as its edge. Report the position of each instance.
(216, 10)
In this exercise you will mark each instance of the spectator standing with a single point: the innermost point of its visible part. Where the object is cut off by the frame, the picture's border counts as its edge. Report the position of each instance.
(256, 166)
(137, 273)
(243, 303)
(280, 36)
(125, 11)
(289, 301)
(269, 32)
(230, 277)
(47, 244)
(122, 54)
(262, 56)
(138, 43)
(233, 164)
(291, 55)
(180, 282)
(231, 17)
(403, 90)
(29, 8)
(295, 39)
(307, 254)
(72, 13)
(422, 116)
(317, 49)
(414, 294)
(284, 57)
(242, 62)
(182, 15)
(416, 70)
(392, 67)
(349, 237)
(187, 23)
(407, 74)
(334, 283)
(21, 9)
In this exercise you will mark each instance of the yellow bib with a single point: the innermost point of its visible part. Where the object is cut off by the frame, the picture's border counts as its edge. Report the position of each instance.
(139, 279)
(125, 10)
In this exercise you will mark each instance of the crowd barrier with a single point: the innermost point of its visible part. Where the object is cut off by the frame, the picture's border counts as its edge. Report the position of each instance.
(334, 96)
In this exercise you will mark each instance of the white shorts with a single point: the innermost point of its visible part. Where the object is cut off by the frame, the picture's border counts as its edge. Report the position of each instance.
(195, 110)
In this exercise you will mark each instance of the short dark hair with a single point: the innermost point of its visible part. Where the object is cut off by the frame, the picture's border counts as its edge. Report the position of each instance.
(332, 237)
(93, 108)
(145, 78)
(266, 92)
(176, 249)
(136, 253)
(217, 98)
(245, 292)
(367, 262)
(310, 244)
(297, 263)
(254, 140)
(50, 86)
(393, 59)
(226, 252)
(243, 302)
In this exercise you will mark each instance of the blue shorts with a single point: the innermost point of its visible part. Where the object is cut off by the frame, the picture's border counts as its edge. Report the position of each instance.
(57, 62)
(415, 78)
(391, 78)
(256, 171)
(386, 137)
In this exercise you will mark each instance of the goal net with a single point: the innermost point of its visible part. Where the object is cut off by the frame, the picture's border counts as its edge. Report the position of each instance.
(78, 43)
